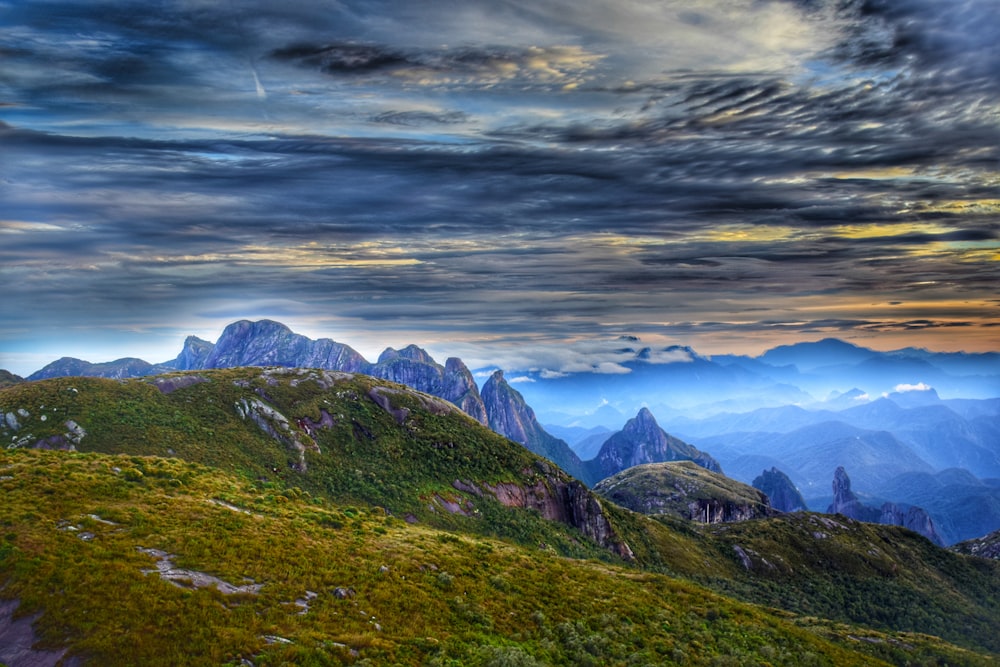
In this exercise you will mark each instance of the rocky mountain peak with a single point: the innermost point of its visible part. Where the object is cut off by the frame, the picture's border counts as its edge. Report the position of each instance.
(506, 410)
(644, 420)
(410, 352)
(256, 328)
(454, 365)
(782, 493)
(842, 487)
(193, 354)
(641, 441)
(509, 415)
(270, 343)
(459, 387)
(415, 368)
(891, 514)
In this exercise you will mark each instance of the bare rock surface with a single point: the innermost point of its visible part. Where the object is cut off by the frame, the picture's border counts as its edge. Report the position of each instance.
(18, 637)
(192, 578)
(847, 503)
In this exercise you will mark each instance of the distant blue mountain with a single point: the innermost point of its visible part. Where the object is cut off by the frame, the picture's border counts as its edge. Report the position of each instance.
(962, 505)
(586, 442)
(688, 385)
(810, 356)
(697, 386)
(810, 454)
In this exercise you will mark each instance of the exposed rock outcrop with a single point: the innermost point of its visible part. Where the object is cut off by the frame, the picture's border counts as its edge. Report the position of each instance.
(277, 426)
(643, 441)
(987, 546)
(183, 578)
(783, 494)
(171, 383)
(65, 441)
(415, 368)
(382, 396)
(561, 499)
(193, 354)
(509, 415)
(685, 490)
(459, 387)
(845, 502)
(18, 638)
(269, 343)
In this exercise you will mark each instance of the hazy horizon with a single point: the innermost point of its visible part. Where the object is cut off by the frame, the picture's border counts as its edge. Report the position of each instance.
(477, 354)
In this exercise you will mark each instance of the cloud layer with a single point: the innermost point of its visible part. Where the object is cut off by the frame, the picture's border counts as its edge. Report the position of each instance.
(485, 175)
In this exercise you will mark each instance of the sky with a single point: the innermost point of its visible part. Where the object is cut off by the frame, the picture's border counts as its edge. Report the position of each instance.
(498, 179)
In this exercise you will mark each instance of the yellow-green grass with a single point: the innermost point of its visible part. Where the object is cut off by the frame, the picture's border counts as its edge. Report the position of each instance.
(420, 595)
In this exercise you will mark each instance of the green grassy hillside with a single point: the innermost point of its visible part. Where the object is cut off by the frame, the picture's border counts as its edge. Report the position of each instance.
(351, 438)
(309, 481)
(879, 576)
(321, 583)
(8, 379)
(685, 490)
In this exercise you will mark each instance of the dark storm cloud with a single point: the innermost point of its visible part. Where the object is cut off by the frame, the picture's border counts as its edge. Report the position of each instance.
(420, 117)
(346, 58)
(537, 167)
(351, 58)
(938, 36)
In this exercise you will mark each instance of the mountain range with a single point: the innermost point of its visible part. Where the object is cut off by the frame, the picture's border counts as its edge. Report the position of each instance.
(498, 405)
(678, 382)
(893, 417)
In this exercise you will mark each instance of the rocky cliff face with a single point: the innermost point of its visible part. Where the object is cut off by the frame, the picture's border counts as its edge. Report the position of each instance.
(268, 343)
(415, 368)
(410, 353)
(987, 546)
(779, 489)
(643, 441)
(459, 387)
(558, 498)
(847, 503)
(509, 415)
(193, 354)
(685, 490)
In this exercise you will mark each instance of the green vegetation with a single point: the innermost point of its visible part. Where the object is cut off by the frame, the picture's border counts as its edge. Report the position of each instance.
(351, 514)
(363, 455)
(75, 523)
(8, 379)
(679, 488)
(878, 576)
